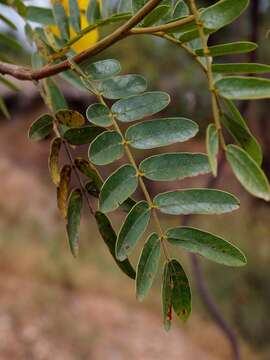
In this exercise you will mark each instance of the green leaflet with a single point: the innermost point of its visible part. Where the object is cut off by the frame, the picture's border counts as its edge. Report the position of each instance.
(122, 86)
(93, 12)
(247, 171)
(160, 132)
(83, 135)
(8, 83)
(155, 15)
(70, 118)
(181, 293)
(236, 125)
(57, 99)
(63, 190)
(61, 19)
(137, 4)
(99, 114)
(237, 47)
(174, 166)
(40, 15)
(222, 13)
(75, 18)
(8, 22)
(241, 68)
(208, 245)
(212, 144)
(147, 266)
(180, 10)
(73, 220)
(106, 148)
(196, 201)
(41, 128)
(132, 229)
(117, 188)
(108, 234)
(139, 106)
(243, 88)
(167, 297)
(73, 79)
(101, 70)
(53, 160)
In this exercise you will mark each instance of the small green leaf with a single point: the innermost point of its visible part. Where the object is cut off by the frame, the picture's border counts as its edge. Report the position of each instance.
(139, 106)
(167, 287)
(40, 15)
(180, 10)
(222, 13)
(87, 169)
(238, 47)
(109, 237)
(174, 166)
(137, 5)
(55, 95)
(132, 229)
(62, 190)
(208, 245)
(236, 125)
(73, 220)
(93, 12)
(117, 188)
(212, 144)
(147, 266)
(41, 128)
(83, 135)
(247, 171)
(70, 118)
(196, 201)
(106, 148)
(53, 160)
(103, 69)
(160, 132)
(61, 19)
(181, 293)
(243, 88)
(241, 68)
(122, 86)
(99, 114)
(155, 15)
(75, 16)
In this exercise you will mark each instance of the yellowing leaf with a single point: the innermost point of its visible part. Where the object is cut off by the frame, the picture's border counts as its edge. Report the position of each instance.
(53, 160)
(62, 190)
(69, 118)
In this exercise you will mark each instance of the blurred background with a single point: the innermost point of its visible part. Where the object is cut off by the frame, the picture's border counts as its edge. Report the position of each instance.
(55, 307)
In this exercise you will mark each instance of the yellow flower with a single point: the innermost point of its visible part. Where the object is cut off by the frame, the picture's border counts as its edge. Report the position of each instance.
(87, 39)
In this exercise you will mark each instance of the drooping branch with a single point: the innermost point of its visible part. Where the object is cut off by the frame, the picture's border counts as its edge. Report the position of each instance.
(26, 73)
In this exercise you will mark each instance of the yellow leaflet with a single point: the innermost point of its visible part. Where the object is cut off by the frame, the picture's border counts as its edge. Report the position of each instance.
(62, 190)
(53, 160)
(69, 118)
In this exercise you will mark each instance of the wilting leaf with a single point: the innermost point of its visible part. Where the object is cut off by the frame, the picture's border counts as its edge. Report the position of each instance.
(139, 106)
(196, 201)
(167, 287)
(208, 245)
(106, 148)
(73, 220)
(132, 229)
(212, 143)
(117, 188)
(174, 166)
(82, 135)
(147, 266)
(62, 190)
(181, 294)
(70, 118)
(248, 172)
(109, 237)
(160, 132)
(53, 160)
(90, 171)
(41, 128)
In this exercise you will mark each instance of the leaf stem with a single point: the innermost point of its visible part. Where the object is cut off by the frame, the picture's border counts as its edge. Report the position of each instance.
(210, 76)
